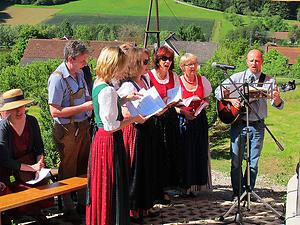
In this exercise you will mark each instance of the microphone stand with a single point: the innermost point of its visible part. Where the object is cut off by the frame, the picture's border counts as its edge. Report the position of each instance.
(238, 217)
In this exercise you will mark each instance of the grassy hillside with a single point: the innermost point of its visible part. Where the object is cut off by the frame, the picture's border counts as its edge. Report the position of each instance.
(135, 11)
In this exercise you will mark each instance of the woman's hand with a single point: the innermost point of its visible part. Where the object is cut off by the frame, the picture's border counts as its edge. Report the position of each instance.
(140, 119)
(134, 96)
(162, 111)
(188, 114)
(38, 166)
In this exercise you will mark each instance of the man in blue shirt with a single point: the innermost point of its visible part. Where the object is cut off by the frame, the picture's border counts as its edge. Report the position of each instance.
(70, 106)
(256, 125)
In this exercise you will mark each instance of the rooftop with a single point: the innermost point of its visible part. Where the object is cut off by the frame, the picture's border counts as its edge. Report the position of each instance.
(45, 49)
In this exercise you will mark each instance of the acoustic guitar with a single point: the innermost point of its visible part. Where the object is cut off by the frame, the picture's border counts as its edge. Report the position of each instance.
(227, 112)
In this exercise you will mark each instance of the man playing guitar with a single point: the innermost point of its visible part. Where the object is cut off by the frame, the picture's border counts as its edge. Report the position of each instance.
(256, 126)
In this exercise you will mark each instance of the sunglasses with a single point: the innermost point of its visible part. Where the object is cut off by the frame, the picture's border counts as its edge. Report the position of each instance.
(165, 58)
(146, 62)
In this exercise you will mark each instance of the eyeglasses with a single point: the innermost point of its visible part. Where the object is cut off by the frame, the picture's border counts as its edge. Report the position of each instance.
(146, 62)
(165, 58)
(191, 64)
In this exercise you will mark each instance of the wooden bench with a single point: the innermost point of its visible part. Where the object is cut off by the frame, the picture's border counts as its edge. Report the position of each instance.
(36, 194)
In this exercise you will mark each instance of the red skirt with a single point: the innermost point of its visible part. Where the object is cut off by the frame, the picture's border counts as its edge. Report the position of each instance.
(108, 181)
(129, 136)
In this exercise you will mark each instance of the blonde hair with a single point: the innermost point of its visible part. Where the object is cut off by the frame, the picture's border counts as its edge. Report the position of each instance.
(126, 46)
(135, 62)
(188, 57)
(111, 63)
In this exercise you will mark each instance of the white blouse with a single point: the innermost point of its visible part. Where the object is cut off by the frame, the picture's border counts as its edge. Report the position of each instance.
(207, 89)
(128, 88)
(108, 108)
(166, 80)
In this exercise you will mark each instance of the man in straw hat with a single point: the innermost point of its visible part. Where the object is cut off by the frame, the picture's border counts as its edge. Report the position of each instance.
(70, 106)
(21, 152)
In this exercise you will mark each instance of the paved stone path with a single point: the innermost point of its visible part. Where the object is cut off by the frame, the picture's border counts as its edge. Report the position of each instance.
(209, 205)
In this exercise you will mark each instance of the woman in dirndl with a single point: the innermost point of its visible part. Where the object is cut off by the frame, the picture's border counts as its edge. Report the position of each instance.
(142, 139)
(169, 153)
(108, 200)
(194, 125)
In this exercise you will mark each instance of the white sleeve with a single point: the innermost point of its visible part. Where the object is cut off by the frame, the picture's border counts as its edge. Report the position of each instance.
(236, 78)
(108, 108)
(126, 89)
(207, 86)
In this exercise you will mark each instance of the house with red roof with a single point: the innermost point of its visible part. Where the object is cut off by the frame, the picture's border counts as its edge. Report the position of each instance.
(292, 53)
(45, 49)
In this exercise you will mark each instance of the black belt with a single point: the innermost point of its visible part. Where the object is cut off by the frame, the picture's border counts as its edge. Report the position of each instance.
(253, 123)
(75, 124)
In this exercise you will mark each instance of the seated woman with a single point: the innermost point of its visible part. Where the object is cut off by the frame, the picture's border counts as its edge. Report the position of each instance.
(21, 152)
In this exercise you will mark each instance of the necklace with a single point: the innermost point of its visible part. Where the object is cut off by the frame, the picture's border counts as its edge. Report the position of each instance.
(190, 82)
(160, 76)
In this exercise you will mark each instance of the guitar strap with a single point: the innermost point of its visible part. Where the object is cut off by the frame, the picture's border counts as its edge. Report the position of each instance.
(261, 80)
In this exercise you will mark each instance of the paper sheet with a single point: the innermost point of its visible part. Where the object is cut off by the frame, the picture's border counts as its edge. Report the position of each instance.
(200, 108)
(41, 175)
(174, 95)
(187, 101)
(150, 104)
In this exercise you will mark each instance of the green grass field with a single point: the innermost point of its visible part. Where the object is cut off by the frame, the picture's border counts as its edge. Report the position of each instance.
(284, 125)
(170, 12)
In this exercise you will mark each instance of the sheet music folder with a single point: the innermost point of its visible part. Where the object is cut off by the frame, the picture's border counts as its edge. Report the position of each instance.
(256, 90)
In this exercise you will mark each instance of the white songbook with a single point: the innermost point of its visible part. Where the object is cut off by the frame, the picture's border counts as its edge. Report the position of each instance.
(151, 103)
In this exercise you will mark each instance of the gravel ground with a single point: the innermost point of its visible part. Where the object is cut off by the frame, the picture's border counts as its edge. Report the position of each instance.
(219, 178)
(207, 207)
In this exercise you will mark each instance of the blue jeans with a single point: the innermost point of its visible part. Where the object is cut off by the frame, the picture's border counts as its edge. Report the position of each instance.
(256, 138)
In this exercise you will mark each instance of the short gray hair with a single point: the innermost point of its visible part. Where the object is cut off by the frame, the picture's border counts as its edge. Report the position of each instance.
(74, 48)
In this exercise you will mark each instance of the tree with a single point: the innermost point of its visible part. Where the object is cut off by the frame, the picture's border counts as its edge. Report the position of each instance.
(190, 33)
(294, 35)
(25, 33)
(295, 69)
(235, 19)
(84, 32)
(252, 33)
(66, 29)
(106, 32)
(8, 35)
(275, 23)
(130, 33)
(275, 64)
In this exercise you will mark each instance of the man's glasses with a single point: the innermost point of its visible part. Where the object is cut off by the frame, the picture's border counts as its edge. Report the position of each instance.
(146, 62)
(165, 58)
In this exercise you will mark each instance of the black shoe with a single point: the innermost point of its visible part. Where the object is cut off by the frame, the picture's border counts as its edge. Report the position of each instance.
(234, 198)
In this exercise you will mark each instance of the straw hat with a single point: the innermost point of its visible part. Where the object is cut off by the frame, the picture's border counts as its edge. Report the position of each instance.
(13, 99)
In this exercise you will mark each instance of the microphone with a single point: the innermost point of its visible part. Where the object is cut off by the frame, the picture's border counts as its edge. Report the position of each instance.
(222, 66)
